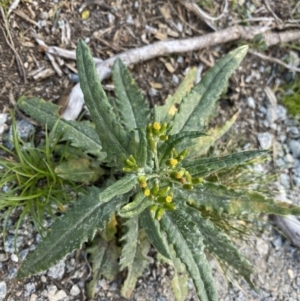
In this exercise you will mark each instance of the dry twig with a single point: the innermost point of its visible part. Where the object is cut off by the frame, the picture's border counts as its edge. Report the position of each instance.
(176, 46)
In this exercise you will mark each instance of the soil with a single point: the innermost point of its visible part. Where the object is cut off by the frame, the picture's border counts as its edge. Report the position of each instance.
(114, 26)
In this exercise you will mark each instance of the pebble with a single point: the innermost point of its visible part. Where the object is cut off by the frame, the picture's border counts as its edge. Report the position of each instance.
(3, 290)
(294, 146)
(14, 258)
(262, 247)
(57, 271)
(265, 140)
(285, 180)
(290, 273)
(294, 132)
(54, 294)
(29, 288)
(251, 102)
(281, 112)
(75, 290)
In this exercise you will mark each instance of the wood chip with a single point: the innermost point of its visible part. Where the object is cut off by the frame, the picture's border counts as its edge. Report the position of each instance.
(156, 85)
(170, 67)
(44, 74)
(22, 15)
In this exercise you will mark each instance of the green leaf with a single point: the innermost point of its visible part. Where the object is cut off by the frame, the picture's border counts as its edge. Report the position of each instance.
(113, 138)
(130, 243)
(169, 109)
(165, 149)
(68, 233)
(142, 149)
(138, 205)
(205, 166)
(79, 170)
(152, 229)
(133, 108)
(120, 187)
(81, 134)
(104, 256)
(201, 145)
(186, 238)
(197, 107)
(220, 245)
(138, 266)
(217, 197)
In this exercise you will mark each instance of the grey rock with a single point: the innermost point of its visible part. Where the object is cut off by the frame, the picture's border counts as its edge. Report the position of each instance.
(175, 79)
(262, 247)
(24, 131)
(277, 242)
(57, 271)
(265, 140)
(280, 162)
(285, 180)
(251, 102)
(271, 114)
(289, 159)
(3, 290)
(294, 132)
(294, 146)
(9, 245)
(29, 288)
(281, 112)
(75, 290)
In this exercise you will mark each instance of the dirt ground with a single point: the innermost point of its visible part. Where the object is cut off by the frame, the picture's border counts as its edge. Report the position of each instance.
(114, 26)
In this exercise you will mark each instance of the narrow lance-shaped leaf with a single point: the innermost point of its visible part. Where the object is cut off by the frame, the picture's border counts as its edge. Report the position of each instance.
(130, 243)
(68, 233)
(118, 188)
(103, 256)
(142, 149)
(138, 266)
(169, 109)
(165, 149)
(133, 108)
(221, 199)
(201, 145)
(113, 138)
(205, 166)
(198, 106)
(220, 245)
(152, 229)
(81, 134)
(138, 205)
(187, 241)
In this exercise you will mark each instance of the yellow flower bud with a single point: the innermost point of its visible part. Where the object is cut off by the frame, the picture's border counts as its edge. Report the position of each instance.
(172, 162)
(169, 199)
(156, 126)
(146, 192)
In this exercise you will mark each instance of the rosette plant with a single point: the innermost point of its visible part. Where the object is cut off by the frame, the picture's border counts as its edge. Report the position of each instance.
(160, 189)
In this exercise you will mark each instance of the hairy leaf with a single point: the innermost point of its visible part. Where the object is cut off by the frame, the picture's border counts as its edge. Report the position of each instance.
(201, 145)
(133, 108)
(205, 166)
(186, 238)
(81, 134)
(104, 256)
(130, 243)
(165, 149)
(138, 266)
(120, 187)
(113, 138)
(142, 149)
(221, 199)
(68, 233)
(138, 205)
(198, 106)
(152, 229)
(220, 245)
(79, 170)
(169, 109)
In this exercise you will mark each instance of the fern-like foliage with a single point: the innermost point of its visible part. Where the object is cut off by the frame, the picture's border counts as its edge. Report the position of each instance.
(161, 189)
